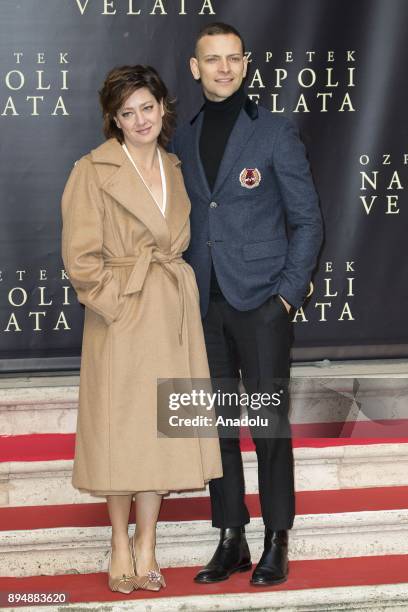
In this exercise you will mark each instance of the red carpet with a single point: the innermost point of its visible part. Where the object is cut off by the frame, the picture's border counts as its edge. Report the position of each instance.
(198, 508)
(54, 447)
(321, 573)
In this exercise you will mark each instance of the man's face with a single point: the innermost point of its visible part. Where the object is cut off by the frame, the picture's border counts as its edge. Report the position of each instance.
(220, 65)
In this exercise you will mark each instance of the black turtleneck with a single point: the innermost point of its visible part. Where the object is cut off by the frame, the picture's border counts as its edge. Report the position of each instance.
(219, 119)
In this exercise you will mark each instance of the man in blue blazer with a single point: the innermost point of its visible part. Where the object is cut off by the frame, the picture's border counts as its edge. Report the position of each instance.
(256, 231)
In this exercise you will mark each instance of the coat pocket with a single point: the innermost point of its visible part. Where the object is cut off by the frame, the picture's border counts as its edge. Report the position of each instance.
(264, 249)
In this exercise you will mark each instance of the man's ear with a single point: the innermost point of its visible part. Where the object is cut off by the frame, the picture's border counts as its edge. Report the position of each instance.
(194, 68)
(245, 65)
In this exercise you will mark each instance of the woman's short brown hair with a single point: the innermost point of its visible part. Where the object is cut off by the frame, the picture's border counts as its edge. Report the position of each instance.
(120, 83)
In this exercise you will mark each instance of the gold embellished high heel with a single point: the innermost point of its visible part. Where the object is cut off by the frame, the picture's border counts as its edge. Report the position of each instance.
(125, 583)
(153, 581)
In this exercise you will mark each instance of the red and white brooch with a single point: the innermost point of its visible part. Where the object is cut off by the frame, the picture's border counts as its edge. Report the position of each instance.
(250, 178)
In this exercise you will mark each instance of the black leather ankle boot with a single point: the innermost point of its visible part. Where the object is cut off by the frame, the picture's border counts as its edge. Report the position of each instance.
(231, 555)
(273, 565)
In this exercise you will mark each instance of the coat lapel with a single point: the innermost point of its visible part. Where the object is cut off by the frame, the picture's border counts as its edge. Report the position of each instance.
(178, 205)
(241, 133)
(126, 187)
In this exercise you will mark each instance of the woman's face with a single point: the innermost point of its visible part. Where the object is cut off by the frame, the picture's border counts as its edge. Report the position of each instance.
(140, 118)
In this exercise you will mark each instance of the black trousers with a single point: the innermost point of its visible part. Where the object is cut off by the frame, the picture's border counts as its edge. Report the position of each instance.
(253, 345)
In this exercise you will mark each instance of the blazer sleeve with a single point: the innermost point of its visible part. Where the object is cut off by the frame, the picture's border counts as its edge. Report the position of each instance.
(302, 211)
(172, 146)
(82, 243)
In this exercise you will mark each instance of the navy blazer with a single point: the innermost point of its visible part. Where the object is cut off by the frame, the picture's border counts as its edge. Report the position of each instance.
(263, 239)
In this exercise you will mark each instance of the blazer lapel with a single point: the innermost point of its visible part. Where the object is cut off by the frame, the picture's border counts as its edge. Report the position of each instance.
(196, 159)
(241, 133)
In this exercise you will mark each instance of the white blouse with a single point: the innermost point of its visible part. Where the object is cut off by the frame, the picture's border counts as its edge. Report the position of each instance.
(162, 208)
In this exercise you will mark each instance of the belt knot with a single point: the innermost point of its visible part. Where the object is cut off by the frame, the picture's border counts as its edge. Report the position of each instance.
(141, 264)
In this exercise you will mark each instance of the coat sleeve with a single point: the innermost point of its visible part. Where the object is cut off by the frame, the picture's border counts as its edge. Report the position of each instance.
(303, 216)
(82, 243)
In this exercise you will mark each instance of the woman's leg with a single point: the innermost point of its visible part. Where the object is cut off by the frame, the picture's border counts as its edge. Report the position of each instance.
(119, 508)
(147, 511)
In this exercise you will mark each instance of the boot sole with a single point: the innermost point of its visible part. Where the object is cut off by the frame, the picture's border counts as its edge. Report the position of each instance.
(242, 568)
(269, 582)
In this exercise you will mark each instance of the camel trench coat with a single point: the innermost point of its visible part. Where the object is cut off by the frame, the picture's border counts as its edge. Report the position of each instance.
(142, 323)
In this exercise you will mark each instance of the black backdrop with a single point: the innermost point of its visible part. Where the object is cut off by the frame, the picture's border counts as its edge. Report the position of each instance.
(337, 68)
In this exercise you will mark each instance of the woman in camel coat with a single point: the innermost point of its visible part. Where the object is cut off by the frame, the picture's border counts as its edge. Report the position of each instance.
(123, 253)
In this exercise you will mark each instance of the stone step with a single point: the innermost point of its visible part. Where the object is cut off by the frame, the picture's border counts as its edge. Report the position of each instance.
(378, 584)
(360, 522)
(41, 410)
(33, 483)
(321, 393)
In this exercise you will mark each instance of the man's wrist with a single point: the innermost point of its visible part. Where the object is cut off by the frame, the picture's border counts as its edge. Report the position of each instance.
(285, 303)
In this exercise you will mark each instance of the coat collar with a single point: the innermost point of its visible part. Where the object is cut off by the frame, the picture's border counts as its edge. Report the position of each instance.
(111, 152)
(126, 187)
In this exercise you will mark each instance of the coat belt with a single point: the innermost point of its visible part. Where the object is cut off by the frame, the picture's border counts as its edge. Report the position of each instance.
(138, 275)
